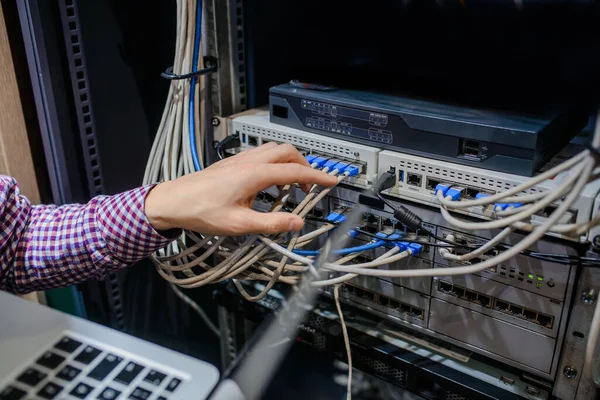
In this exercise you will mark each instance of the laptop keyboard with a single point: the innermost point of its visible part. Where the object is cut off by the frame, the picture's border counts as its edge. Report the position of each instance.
(73, 369)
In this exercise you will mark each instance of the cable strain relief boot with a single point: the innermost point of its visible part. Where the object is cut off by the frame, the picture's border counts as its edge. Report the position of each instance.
(408, 218)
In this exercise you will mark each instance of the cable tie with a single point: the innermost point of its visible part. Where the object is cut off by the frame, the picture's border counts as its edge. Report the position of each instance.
(210, 65)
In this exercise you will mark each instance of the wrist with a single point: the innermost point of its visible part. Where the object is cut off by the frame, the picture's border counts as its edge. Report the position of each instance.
(155, 208)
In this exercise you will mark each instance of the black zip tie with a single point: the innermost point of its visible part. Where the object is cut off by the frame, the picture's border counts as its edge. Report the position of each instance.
(210, 65)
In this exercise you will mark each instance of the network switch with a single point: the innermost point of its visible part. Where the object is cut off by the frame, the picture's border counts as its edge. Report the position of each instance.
(502, 302)
(494, 336)
(417, 179)
(256, 129)
(508, 305)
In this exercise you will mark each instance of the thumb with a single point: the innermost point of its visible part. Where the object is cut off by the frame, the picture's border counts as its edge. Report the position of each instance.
(269, 223)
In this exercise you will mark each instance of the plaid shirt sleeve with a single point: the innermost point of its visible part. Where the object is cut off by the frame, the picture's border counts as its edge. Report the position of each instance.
(44, 247)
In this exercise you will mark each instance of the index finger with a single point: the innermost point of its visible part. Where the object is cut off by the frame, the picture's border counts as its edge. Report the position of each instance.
(281, 154)
(287, 174)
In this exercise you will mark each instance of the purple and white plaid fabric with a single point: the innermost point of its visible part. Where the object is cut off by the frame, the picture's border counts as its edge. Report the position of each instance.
(44, 247)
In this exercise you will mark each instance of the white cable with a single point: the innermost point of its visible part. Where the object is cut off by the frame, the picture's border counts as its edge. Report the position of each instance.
(445, 253)
(336, 295)
(196, 308)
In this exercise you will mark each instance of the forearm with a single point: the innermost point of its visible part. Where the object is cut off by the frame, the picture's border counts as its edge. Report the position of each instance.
(59, 246)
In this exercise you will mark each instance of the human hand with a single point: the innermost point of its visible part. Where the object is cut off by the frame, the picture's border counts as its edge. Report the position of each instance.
(218, 200)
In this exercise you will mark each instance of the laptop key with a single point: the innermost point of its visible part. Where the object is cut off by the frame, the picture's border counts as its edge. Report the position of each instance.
(81, 390)
(68, 373)
(109, 394)
(50, 360)
(87, 355)
(50, 391)
(174, 384)
(12, 393)
(129, 373)
(31, 377)
(67, 345)
(105, 367)
(155, 377)
(140, 394)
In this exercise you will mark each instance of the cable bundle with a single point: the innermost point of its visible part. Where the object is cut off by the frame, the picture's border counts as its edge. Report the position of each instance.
(177, 147)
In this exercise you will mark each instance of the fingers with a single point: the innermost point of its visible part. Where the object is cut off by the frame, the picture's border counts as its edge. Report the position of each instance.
(285, 153)
(267, 223)
(273, 153)
(285, 174)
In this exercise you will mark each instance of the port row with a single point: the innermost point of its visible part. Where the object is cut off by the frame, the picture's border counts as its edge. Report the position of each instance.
(383, 300)
(496, 304)
(253, 141)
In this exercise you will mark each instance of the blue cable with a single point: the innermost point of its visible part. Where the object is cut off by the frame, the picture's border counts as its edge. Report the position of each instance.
(192, 116)
(343, 252)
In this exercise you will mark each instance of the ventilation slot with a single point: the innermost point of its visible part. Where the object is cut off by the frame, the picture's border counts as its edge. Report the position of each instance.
(297, 140)
(368, 364)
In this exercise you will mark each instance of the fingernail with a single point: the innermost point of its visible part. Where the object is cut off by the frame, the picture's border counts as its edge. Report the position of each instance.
(291, 226)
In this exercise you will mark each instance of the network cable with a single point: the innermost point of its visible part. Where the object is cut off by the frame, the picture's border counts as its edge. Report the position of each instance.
(192, 103)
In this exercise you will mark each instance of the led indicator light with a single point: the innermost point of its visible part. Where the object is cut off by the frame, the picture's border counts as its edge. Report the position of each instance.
(540, 278)
(530, 276)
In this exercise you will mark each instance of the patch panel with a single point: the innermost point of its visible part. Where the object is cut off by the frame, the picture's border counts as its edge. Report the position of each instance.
(486, 301)
(257, 129)
(418, 177)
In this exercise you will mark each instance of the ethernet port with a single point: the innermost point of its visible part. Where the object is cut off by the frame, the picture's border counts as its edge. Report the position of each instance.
(530, 315)
(394, 303)
(432, 183)
(405, 308)
(470, 193)
(545, 320)
(514, 310)
(484, 300)
(468, 148)
(414, 179)
(417, 313)
(359, 292)
(349, 288)
(371, 223)
(470, 296)
(445, 287)
(369, 295)
(253, 141)
(316, 213)
(502, 306)
(382, 300)
(458, 291)
(460, 240)
(388, 223)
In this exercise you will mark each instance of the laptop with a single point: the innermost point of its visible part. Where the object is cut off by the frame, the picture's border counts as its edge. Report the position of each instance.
(46, 354)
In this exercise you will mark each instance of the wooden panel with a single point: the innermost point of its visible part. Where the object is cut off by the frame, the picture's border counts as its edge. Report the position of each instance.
(15, 152)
